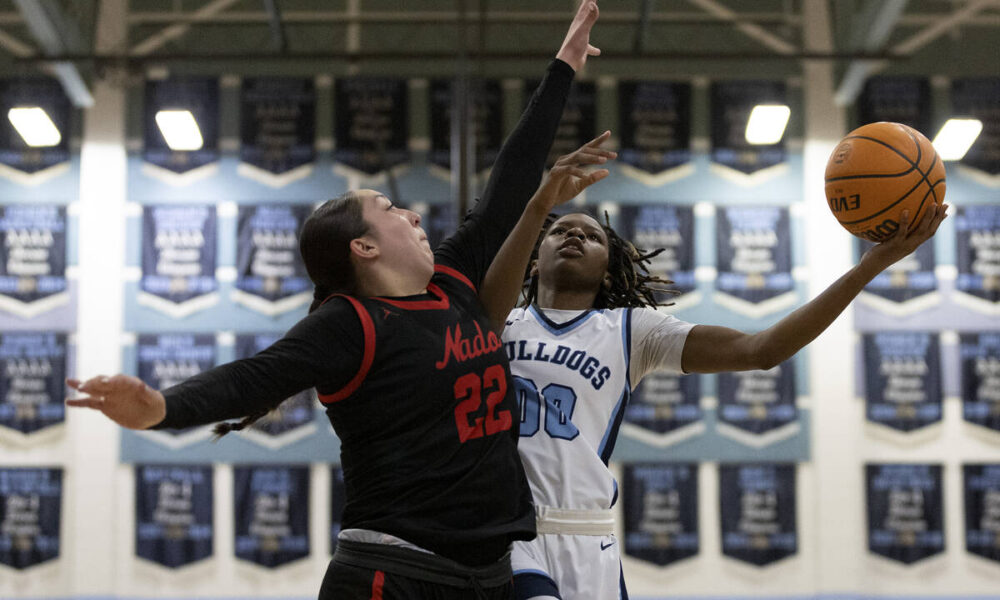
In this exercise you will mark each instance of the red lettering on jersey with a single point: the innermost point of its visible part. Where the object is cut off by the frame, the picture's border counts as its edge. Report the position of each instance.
(462, 349)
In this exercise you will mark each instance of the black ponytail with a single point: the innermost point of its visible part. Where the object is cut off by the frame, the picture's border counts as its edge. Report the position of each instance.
(324, 243)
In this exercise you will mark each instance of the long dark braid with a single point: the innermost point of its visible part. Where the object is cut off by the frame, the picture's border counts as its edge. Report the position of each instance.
(631, 284)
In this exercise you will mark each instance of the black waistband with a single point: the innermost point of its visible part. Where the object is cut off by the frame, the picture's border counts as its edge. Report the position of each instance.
(422, 565)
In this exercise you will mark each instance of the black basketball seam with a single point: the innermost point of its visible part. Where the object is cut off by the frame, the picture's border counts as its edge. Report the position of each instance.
(915, 167)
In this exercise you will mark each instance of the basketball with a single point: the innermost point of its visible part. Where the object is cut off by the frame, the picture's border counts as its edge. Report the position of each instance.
(876, 172)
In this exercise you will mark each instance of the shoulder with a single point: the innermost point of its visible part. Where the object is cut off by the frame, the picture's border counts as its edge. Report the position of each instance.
(647, 320)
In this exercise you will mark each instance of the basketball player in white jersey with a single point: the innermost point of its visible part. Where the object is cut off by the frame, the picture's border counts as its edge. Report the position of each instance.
(587, 333)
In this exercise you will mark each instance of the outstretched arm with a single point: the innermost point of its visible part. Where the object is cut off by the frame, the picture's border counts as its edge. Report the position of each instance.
(323, 349)
(565, 181)
(711, 349)
(519, 165)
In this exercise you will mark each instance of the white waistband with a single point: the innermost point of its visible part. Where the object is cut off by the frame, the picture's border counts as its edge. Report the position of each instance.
(549, 519)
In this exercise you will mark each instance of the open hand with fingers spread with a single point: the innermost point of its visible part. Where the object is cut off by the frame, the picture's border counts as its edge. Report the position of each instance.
(124, 399)
(906, 240)
(569, 176)
(576, 47)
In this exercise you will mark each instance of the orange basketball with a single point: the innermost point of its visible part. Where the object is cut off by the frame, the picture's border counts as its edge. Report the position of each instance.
(876, 172)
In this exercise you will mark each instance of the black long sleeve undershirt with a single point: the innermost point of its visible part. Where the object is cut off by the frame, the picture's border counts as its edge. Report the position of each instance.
(516, 175)
(324, 349)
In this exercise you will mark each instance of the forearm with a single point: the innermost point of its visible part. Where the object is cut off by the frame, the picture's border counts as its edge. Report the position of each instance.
(781, 341)
(521, 161)
(505, 277)
(229, 391)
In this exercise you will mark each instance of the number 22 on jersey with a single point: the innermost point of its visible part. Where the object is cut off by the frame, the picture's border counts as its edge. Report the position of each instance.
(468, 391)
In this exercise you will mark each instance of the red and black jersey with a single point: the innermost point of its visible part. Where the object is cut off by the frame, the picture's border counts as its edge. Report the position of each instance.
(417, 389)
(428, 426)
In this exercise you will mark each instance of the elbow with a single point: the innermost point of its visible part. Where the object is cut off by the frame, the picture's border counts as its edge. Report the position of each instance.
(763, 356)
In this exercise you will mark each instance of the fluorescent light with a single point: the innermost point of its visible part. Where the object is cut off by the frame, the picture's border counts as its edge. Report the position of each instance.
(767, 123)
(179, 129)
(956, 137)
(34, 125)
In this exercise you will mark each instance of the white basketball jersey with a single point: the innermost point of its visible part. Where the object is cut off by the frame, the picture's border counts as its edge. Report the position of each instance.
(573, 382)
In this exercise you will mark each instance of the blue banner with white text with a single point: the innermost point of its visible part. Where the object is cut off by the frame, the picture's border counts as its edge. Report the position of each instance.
(30, 516)
(271, 513)
(905, 511)
(661, 512)
(174, 520)
(758, 512)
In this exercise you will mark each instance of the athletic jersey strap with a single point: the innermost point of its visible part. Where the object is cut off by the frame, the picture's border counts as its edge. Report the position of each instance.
(367, 357)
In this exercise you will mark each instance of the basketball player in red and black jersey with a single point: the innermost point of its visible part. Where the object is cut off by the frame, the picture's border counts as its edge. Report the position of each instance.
(415, 383)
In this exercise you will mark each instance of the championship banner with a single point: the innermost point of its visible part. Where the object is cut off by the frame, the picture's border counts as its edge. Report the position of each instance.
(757, 512)
(732, 102)
(900, 99)
(905, 511)
(754, 260)
(371, 126)
(18, 160)
(579, 119)
(977, 98)
(661, 512)
(903, 389)
(165, 360)
(277, 129)
(338, 500)
(271, 514)
(270, 275)
(30, 516)
(32, 258)
(979, 354)
(664, 408)
(200, 96)
(178, 259)
(32, 382)
(654, 121)
(758, 407)
(905, 287)
(293, 419)
(654, 226)
(173, 514)
(982, 510)
(485, 119)
(977, 235)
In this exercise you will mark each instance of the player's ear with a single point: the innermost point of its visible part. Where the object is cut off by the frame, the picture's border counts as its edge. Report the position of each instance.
(607, 280)
(534, 268)
(364, 247)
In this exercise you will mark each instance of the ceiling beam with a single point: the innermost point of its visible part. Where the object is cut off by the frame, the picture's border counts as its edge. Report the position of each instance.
(433, 16)
(15, 46)
(642, 28)
(57, 33)
(875, 24)
(942, 26)
(278, 40)
(920, 39)
(751, 30)
(155, 41)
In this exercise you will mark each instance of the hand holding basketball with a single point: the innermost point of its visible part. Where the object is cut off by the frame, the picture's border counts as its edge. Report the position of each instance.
(878, 171)
(907, 239)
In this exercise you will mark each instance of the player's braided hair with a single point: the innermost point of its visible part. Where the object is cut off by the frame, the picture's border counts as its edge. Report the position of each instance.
(631, 285)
